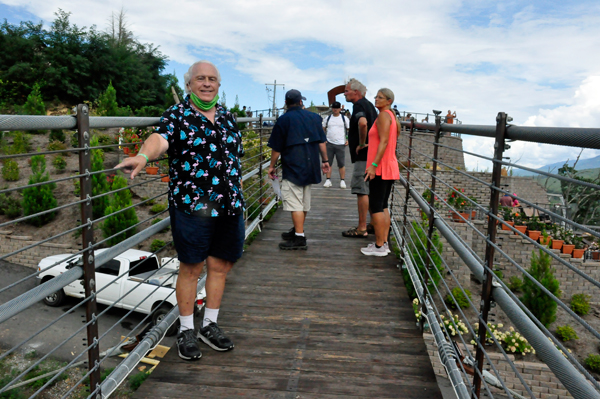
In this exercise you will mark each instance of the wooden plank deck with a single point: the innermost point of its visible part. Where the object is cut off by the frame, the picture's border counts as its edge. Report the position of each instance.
(323, 323)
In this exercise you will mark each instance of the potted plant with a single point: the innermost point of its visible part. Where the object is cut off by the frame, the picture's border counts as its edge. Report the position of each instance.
(163, 167)
(130, 136)
(534, 228)
(152, 168)
(458, 204)
(473, 203)
(569, 239)
(508, 216)
(580, 247)
(557, 240)
(544, 238)
(595, 250)
(519, 224)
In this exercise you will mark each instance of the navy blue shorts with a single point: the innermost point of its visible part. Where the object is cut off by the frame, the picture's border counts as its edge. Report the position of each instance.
(196, 238)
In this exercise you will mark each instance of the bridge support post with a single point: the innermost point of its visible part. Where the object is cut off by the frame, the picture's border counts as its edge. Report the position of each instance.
(87, 236)
(488, 273)
(261, 161)
(402, 245)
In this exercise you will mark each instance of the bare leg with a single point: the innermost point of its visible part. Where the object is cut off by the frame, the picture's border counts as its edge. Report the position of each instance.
(217, 270)
(363, 209)
(298, 220)
(187, 283)
(342, 173)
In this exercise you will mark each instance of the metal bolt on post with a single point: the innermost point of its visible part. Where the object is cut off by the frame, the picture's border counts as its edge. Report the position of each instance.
(87, 236)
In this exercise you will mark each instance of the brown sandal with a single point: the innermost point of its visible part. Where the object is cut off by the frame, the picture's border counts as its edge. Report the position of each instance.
(355, 232)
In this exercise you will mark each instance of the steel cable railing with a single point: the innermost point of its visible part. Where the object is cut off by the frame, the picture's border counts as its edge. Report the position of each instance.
(565, 366)
(259, 197)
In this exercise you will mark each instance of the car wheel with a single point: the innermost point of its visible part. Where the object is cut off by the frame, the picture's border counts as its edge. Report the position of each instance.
(158, 316)
(55, 299)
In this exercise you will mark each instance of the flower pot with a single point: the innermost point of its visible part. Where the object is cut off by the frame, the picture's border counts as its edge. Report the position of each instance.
(505, 227)
(456, 218)
(473, 215)
(165, 178)
(152, 170)
(568, 249)
(557, 244)
(534, 234)
(521, 229)
(578, 253)
(596, 255)
(545, 241)
(132, 154)
(126, 150)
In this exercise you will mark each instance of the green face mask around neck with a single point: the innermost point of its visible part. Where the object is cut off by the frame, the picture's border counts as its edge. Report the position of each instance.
(203, 105)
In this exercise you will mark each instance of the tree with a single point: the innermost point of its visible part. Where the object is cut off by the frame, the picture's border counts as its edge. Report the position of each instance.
(35, 103)
(171, 81)
(40, 198)
(119, 221)
(583, 202)
(118, 30)
(99, 183)
(538, 302)
(107, 102)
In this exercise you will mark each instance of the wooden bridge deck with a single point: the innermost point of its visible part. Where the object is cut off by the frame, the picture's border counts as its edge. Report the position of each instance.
(323, 323)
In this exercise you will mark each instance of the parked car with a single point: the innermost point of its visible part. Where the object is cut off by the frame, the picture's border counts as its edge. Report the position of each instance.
(143, 280)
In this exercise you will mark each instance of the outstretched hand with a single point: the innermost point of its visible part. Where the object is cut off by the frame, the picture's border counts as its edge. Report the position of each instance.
(132, 165)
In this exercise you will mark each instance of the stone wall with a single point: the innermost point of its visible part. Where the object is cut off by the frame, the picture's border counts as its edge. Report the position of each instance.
(423, 149)
(151, 187)
(31, 257)
(540, 379)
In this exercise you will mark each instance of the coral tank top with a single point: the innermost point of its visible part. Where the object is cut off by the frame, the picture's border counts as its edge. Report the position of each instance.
(388, 167)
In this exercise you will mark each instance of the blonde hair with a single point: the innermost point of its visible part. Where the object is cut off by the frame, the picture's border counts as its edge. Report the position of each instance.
(390, 96)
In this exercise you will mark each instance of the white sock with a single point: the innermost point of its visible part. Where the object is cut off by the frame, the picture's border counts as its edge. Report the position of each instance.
(300, 234)
(186, 322)
(210, 316)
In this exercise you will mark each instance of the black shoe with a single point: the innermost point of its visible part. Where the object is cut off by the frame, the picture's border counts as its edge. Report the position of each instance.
(188, 345)
(212, 336)
(289, 235)
(297, 242)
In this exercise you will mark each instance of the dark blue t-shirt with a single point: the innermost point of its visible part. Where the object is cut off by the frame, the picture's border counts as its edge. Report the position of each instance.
(296, 136)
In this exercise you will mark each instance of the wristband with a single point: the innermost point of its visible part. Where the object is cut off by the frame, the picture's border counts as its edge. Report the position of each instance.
(374, 164)
(362, 145)
(145, 156)
(326, 161)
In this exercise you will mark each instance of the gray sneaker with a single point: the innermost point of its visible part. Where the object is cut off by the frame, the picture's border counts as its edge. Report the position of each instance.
(372, 250)
(188, 345)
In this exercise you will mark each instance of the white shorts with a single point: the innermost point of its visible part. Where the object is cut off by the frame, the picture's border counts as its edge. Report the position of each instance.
(295, 198)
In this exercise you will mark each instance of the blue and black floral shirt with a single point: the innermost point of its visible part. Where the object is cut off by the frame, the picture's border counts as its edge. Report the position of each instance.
(204, 158)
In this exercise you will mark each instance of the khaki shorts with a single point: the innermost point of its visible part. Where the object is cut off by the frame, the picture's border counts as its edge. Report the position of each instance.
(295, 198)
(358, 184)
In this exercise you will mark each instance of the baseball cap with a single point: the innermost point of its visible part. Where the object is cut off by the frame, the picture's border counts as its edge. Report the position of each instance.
(336, 104)
(293, 96)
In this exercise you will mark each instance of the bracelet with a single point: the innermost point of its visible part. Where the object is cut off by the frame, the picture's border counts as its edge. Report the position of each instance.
(145, 156)
(362, 145)
(374, 164)
(326, 161)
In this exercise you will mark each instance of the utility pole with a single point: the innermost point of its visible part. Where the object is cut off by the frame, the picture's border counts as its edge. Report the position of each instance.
(274, 84)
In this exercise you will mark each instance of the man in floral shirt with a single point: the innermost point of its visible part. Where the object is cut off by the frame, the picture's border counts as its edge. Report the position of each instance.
(206, 204)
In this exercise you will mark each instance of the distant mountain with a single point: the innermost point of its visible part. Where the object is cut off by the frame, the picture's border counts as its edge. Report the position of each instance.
(589, 163)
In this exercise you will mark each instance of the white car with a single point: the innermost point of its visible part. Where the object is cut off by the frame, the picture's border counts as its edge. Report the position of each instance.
(149, 283)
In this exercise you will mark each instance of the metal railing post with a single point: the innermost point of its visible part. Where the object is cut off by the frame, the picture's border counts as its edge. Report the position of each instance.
(261, 161)
(486, 293)
(87, 236)
(408, 167)
(432, 199)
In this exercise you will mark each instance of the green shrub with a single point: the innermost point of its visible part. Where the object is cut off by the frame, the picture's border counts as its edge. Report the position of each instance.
(459, 300)
(417, 247)
(538, 302)
(593, 362)
(57, 135)
(35, 104)
(156, 245)
(116, 223)
(99, 181)
(10, 170)
(107, 102)
(580, 304)
(163, 230)
(515, 284)
(21, 144)
(158, 208)
(40, 198)
(59, 163)
(499, 274)
(56, 146)
(10, 206)
(150, 110)
(566, 333)
(76, 187)
(105, 139)
(74, 140)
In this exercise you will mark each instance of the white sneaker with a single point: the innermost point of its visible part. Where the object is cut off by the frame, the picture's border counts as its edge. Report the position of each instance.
(372, 250)
(342, 184)
(327, 183)
(387, 247)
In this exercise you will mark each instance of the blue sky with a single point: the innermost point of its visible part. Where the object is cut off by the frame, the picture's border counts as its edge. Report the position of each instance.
(536, 60)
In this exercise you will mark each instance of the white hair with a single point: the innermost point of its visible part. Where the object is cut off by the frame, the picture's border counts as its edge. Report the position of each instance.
(188, 75)
(356, 85)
